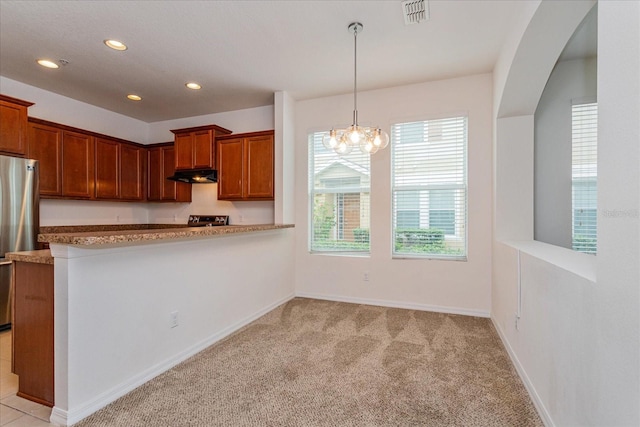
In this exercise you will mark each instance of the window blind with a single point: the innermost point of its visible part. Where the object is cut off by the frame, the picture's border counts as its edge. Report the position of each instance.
(584, 177)
(339, 189)
(429, 203)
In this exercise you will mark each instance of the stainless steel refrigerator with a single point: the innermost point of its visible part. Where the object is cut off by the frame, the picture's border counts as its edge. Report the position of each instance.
(19, 220)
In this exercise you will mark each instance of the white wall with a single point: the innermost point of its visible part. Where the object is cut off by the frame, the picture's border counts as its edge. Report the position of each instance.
(113, 308)
(570, 81)
(576, 344)
(453, 286)
(59, 109)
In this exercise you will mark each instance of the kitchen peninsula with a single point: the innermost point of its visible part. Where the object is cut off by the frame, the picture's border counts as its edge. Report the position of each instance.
(130, 304)
(149, 233)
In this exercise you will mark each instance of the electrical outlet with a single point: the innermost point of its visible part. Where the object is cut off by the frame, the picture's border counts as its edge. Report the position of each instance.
(365, 276)
(117, 218)
(173, 319)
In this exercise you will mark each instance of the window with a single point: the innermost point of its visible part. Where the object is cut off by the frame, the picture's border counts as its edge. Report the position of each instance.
(584, 177)
(429, 167)
(339, 196)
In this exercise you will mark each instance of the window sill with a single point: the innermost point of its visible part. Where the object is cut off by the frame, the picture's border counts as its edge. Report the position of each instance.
(580, 264)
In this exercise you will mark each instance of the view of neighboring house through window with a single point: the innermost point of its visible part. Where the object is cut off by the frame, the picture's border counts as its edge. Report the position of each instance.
(339, 196)
(584, 177)
(429, 167)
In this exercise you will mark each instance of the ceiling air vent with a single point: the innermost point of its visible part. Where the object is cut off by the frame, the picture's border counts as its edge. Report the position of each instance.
(415, 11)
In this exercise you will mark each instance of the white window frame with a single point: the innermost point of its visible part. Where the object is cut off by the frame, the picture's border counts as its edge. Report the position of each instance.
(461, 236)
(364, 192)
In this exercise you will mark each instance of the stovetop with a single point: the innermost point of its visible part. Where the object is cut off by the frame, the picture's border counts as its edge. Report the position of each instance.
(207, 220)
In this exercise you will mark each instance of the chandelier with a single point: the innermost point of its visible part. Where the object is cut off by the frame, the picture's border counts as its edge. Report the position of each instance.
(343, 140)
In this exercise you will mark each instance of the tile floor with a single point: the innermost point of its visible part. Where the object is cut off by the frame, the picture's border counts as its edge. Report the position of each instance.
(15, 411)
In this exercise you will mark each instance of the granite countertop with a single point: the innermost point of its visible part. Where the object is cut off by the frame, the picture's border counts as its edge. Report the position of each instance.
(102, 235)
(38, 257)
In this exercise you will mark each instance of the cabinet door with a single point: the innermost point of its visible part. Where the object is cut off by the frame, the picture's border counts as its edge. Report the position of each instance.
(13, 128)
(203, 154)
(45, 146)
(131, 172)
(154, 175)
(183, 151)
(77, 165)
(33, 331)
(230, 169)
(259, 167)
(168, 166)
(107, 169)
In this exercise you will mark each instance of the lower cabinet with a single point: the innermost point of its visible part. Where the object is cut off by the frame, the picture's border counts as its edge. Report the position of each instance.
(33, 331)
(161, 164)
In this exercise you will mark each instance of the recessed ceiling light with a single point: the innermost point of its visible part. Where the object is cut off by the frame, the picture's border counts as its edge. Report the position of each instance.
(115, 44)
(47, 63)
(192, 85)
(133, 97)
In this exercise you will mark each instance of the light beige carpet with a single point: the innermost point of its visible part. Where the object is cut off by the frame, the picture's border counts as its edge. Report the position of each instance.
(322, 363)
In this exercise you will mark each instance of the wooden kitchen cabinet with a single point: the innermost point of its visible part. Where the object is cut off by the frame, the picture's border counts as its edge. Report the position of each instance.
(195, 147)
(77, 165)
(161, 164)
(119, 170)
(246, 166)
(132, 172)
(32, 335)
(13, 125)
(107, 169)
(66, 160)
(45, 145)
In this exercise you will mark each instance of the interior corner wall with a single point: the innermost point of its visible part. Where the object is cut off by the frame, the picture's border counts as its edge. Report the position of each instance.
(570, 81)
(575, 344)
(437, 285)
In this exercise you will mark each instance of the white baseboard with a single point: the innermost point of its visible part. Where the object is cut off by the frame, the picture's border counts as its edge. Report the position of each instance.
(535, 398)
(396, 304)
(65, 418)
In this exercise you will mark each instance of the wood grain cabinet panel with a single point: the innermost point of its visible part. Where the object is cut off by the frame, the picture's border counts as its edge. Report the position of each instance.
(45, 146)
(230, 169)
(195, 147)
(132, 172)
(33, 331)
(13, 125)
(107, 169)
(246, 166)
(259, 167)
(161, 164)
(77, 165)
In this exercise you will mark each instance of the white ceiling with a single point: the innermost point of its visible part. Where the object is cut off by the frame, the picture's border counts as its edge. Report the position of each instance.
(241, 52)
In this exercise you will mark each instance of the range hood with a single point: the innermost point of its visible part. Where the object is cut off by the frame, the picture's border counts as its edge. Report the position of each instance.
(196, 176)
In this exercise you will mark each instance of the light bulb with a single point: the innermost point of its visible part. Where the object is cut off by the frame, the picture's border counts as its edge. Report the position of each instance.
(329, 140)
(367, 146)
(380, 139)
(343, 148)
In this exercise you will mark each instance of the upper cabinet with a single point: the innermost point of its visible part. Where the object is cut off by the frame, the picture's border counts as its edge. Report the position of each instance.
(161, 165)
(119, 170)
(13, 125)
(132, 172)
(77, 164)
(66, 160)
(246, 166)
(195, 147)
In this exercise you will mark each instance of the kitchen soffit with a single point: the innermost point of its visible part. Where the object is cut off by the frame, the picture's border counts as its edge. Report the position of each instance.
(241, 52)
